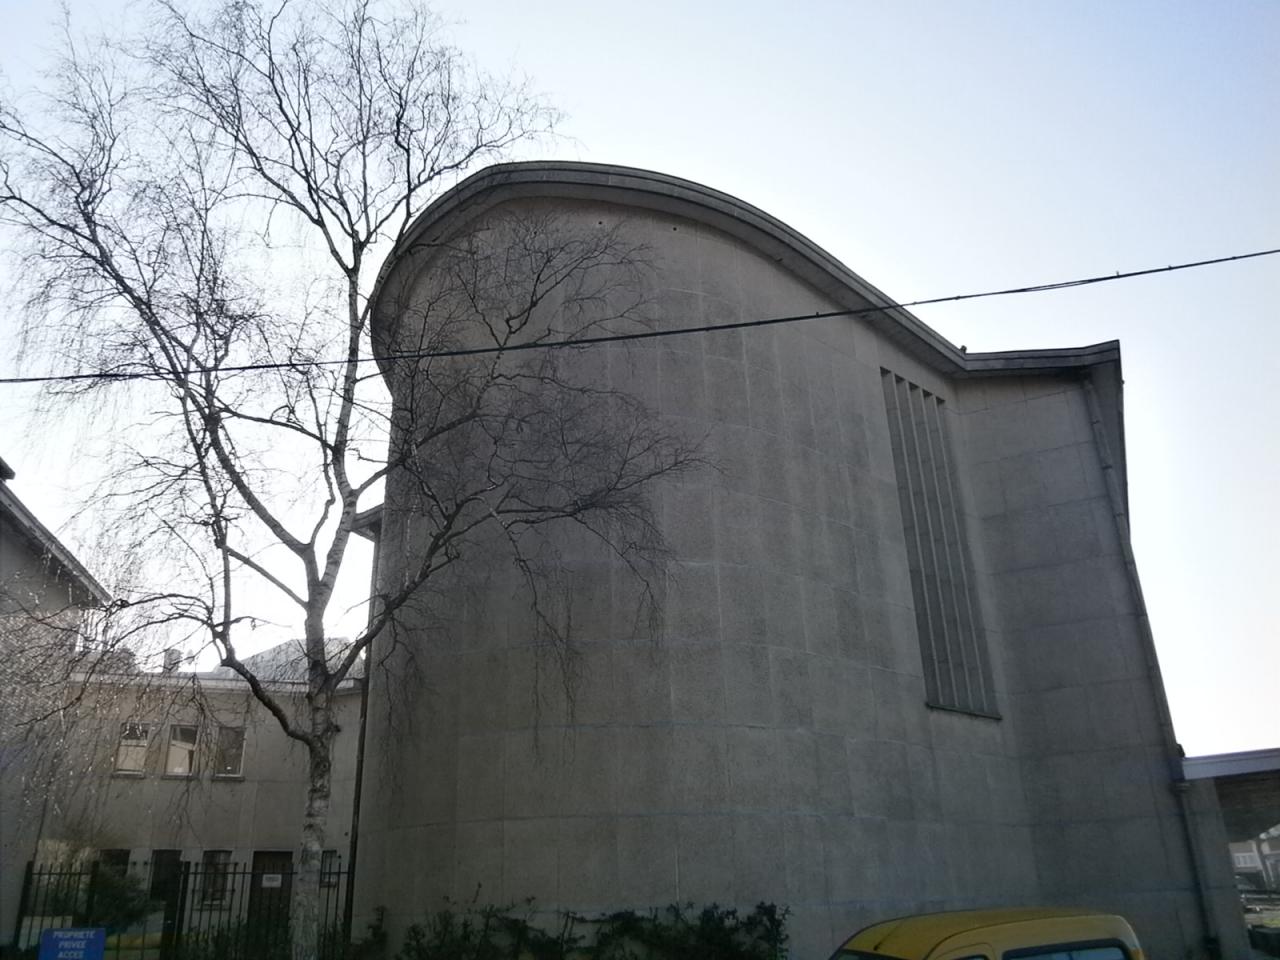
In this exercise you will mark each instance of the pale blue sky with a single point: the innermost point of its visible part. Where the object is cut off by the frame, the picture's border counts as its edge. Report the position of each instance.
(940, 148)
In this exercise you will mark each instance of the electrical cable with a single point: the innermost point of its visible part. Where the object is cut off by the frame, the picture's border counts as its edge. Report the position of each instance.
(652, 334)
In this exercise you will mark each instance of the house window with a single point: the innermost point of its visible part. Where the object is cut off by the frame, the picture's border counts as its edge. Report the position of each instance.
(228, 757)
(215, 869)
(131, 754)
(953, 645)
(181, 758)
(330, 868)
(114, 862)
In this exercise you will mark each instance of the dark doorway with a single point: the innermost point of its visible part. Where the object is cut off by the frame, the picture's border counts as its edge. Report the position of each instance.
(166, 887)
(268, 916)
(166, 871)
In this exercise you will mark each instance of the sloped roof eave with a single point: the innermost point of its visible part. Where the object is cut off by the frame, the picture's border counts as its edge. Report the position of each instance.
(40, 536)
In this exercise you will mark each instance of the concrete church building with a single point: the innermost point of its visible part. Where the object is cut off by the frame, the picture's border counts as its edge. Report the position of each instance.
(904, 663)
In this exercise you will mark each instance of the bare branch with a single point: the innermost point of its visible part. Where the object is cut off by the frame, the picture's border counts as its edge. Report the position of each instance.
(222, 195)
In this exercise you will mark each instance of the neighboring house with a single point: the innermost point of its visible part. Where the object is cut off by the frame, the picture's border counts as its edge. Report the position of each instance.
(192, 762)
(38, 574)
(44, 591)
(146, 771)
(1246, 861)
(1257, 862)
(906, 664)
(1242, 791)
(1269, 854)
(177, 768)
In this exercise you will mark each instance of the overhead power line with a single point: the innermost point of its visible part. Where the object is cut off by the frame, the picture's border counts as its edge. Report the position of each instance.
(656, 334)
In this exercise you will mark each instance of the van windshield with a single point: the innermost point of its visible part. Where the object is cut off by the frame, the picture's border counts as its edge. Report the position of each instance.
(1108, 951)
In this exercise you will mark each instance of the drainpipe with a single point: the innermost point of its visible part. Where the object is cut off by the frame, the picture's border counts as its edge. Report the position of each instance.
(348, 908)
(1173, 753)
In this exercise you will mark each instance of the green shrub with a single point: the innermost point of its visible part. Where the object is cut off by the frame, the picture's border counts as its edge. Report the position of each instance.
(239, 940)
(118, 900)
(102, 898)
(677, 932)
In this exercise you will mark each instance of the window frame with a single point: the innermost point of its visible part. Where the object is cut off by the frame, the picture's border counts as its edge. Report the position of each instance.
(215, 865)
(141, 744)
(218, 753)
(951, 629)
(330, 868)
(110, 861)
(189, 747)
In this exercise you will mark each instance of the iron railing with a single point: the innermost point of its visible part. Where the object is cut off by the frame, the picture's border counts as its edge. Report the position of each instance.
(179, 910)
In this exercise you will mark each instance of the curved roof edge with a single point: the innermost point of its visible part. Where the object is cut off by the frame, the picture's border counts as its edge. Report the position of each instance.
(630, 186)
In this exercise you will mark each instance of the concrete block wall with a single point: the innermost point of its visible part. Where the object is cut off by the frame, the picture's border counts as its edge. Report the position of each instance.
(1082, 691)
(773, 743)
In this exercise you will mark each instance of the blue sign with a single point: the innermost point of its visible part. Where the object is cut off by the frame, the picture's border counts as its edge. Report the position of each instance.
(85, 943)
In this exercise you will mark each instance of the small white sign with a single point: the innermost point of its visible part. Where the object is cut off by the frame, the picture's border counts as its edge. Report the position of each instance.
(272, 881)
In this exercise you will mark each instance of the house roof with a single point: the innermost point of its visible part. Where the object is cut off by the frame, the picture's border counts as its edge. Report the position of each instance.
(44, 542)
(1231, 764)
(286, 663)
(646, 189)
(279, 668)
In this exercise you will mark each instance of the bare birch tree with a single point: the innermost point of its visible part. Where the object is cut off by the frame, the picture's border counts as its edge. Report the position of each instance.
(204, 209)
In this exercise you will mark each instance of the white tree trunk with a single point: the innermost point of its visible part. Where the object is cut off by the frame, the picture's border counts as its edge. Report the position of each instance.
(306, 917)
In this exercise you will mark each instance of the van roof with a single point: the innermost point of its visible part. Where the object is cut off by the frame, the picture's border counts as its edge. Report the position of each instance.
(916, 937)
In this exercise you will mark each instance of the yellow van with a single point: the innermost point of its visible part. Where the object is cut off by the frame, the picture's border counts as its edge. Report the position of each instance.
(1025, 933)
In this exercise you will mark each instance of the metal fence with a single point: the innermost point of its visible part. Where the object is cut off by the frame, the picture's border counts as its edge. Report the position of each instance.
(180, 910)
